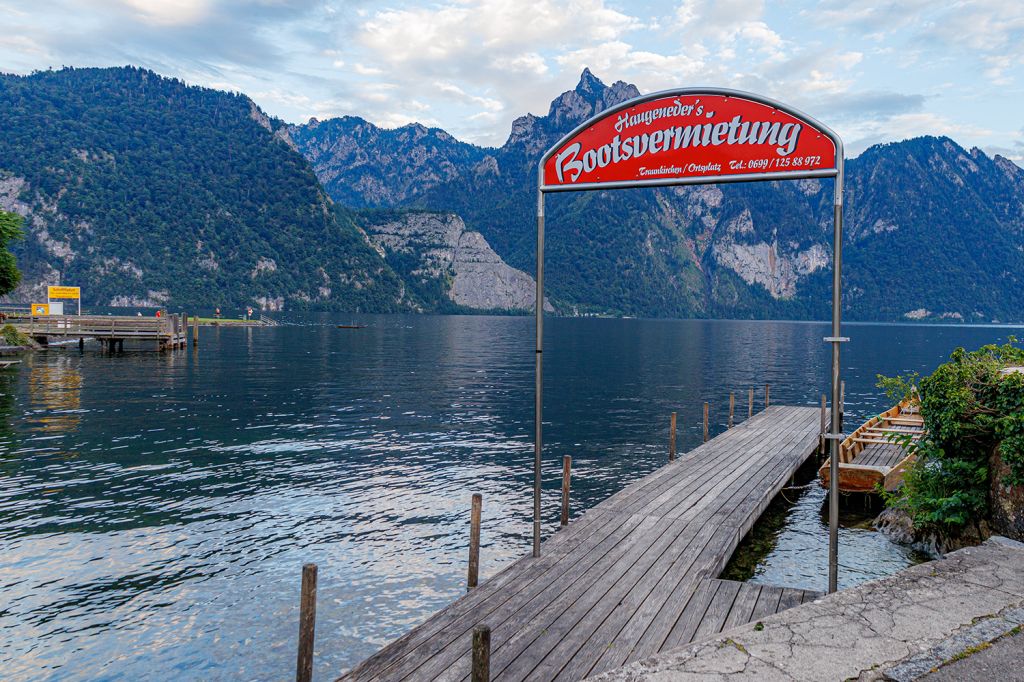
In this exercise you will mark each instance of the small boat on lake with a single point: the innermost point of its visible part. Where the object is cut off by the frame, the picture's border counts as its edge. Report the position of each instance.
(878, 453)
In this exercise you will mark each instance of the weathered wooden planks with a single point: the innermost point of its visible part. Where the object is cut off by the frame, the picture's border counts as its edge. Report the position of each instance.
(630, 577)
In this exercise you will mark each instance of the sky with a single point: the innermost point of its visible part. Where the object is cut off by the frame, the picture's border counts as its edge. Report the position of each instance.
(873, 71)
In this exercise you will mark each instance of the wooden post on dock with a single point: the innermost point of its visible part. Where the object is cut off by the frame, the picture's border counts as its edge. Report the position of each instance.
(672, 438)
(481, 654)
(566, 478)
(824, 426)
(195, 331)
(732, 407)
(705, 422)
(474, 542)
(307, 624)
(767, 396)
(750, 403)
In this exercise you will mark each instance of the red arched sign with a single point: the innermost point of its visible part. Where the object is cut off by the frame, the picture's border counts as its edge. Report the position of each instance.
(684, 137)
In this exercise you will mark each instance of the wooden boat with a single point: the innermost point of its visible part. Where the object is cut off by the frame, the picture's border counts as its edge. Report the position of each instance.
(871, 457)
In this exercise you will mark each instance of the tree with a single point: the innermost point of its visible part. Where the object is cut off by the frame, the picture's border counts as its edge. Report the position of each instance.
(10, 229)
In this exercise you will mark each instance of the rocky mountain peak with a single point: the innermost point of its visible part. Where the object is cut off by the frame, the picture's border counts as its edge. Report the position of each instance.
(1008, 167)
(589, 83)
(589, 97)
(572, 107)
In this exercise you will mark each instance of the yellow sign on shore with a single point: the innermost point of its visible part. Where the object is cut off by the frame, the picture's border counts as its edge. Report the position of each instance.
(40, 309)
(63, 292)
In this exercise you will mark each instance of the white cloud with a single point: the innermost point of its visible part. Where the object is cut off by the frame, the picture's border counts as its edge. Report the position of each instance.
(454, 91)
(526, 63)
(728, 25)
(169, 12)
(990, 31)
(648, 70)
(876, 70)
(481, 26)
(364, 70)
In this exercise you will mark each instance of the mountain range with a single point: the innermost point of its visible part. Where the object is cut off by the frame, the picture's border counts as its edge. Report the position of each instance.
(147, 191)
(932, 231)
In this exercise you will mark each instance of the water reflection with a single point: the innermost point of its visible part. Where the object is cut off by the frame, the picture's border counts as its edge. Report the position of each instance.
(155, 509)
(55, 394)
(8, 383)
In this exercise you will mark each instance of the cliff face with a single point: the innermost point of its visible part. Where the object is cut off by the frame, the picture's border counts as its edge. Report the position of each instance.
(434, 251)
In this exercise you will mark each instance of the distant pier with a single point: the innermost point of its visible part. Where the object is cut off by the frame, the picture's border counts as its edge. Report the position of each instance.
(633, 576)
(168, 332)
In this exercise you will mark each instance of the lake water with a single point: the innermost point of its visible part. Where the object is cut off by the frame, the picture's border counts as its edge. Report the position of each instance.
(155, 509)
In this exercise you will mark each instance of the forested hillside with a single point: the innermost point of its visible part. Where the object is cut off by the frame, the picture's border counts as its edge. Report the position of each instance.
(144, 191)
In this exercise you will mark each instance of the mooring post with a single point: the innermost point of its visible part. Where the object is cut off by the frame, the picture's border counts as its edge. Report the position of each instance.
(307, 624)
(705, 422)
(732, 407)
(750, 402)
(672, 438)
(474, 542)
(566, 477)
(195, 331)
(767, 396)
(481, 654)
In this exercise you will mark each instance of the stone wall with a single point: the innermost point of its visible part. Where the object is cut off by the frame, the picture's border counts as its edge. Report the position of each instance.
(1006, 502)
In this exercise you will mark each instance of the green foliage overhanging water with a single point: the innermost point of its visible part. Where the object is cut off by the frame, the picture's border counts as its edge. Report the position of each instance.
(971, 408)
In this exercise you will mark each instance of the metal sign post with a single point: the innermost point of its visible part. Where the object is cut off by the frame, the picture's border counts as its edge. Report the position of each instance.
(692, 136)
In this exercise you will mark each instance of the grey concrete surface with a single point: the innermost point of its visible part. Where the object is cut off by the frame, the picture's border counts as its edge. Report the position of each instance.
(1002, 660)
(863, 632)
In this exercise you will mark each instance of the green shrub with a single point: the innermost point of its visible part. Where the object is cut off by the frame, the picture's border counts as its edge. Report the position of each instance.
(12, 337)
(969, 410)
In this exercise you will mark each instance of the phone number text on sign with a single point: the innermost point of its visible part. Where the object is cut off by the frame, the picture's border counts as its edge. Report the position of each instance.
(781, 162)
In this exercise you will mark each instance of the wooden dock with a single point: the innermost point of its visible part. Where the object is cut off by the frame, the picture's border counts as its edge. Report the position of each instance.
(635, 575)
(167, 332)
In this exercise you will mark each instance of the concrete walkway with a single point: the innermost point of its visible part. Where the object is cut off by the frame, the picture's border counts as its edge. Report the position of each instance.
(1002, 660)
(897, 628)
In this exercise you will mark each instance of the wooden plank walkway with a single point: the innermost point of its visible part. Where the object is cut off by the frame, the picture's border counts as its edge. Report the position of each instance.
(631, 577)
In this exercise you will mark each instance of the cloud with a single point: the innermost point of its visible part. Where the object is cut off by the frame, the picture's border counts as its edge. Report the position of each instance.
(169, 12)
(454, 91)
(873, 19)
(989, 31)
(871, 104)
(480, 27)
(874, 70)
(484, 55)
(648, 70)
(729, 25)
